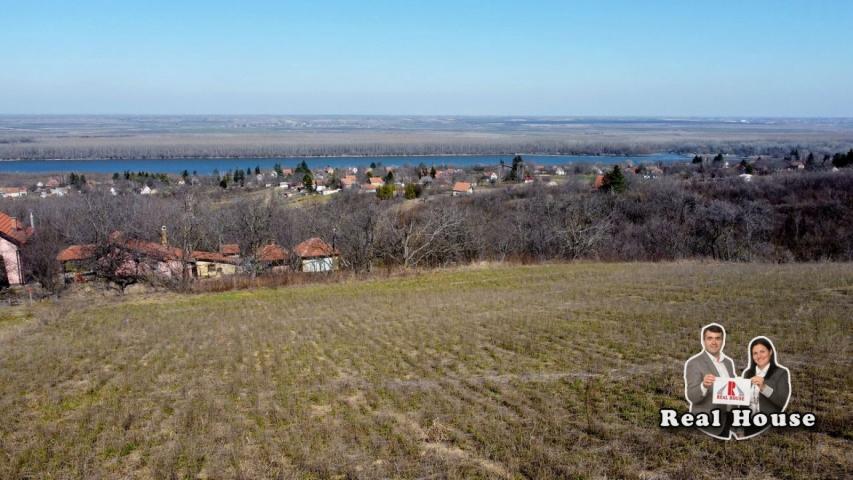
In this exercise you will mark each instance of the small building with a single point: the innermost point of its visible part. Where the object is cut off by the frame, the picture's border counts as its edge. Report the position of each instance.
(13, 235)
(77, 262)
(598, 182)
(560, 171)
(212, 264)
(140, 258)
(273, 257)
(348, 181)
(462, 188)
(12, 192)
(315, 255)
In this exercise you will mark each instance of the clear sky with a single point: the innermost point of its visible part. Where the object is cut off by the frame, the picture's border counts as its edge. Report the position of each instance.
(685, 58)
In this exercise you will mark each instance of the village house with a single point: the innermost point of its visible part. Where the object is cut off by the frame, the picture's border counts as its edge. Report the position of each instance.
(598, 182)
(315, 255)
(373, 183)
(462, 188)
(560, 171)
(272, 257)
(13, 235)
(77, 262)
(12, 192)
(212, 264)
(139, 258)
(348, 181)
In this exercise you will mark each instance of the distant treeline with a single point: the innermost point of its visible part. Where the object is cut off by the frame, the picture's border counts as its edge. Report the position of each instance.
(805, 216)
(78, 150)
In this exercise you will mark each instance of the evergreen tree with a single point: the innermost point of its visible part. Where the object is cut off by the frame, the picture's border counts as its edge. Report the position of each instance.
(116, 176)
(302, 168)
(614, 181)
(412, 191)
(423, 171)
(386, 192)
(718, 159)
(185, 175)
(278, 171)
(697, 159)
(516, 172)
(224, 182)
(308, 182)
(257, 169)
(432, 172)
(389, 177)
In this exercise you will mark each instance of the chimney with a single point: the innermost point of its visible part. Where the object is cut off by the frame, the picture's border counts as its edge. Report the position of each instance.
(32, 222)
(164, 239)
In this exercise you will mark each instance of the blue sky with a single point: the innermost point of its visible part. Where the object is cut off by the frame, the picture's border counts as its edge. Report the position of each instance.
(746, 58)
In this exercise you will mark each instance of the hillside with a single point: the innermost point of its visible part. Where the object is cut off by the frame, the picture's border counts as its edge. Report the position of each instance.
(544, 371)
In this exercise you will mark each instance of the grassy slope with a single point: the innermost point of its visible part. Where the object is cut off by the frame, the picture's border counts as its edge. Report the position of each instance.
(538, 371)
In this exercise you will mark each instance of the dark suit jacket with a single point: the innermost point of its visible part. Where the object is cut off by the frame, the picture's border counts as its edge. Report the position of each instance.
(694, 372)
(779, 382)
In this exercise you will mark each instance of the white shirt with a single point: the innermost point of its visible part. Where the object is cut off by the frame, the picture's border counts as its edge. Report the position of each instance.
(767, 390)
(722, 372)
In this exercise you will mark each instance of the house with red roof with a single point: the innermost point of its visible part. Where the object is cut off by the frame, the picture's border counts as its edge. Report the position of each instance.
(315, 255)
(77, 262)
(462, 188)
(273, 256)
(13, 235)
(213, 264)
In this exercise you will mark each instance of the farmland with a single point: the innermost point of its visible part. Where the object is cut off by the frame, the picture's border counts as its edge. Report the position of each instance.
(492, 371)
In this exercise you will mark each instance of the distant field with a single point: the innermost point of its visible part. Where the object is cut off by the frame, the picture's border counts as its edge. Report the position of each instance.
(546, 371)
(134, 137)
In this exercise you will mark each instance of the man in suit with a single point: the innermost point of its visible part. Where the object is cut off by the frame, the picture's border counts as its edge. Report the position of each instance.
(701, 370)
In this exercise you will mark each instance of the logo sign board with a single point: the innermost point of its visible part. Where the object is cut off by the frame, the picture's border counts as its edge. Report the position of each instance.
(732, 391)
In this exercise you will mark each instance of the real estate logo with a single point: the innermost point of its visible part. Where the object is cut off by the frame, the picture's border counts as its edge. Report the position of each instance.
(732, 391)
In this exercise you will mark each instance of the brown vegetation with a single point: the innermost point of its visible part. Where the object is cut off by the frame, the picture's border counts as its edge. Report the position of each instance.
(545, 371)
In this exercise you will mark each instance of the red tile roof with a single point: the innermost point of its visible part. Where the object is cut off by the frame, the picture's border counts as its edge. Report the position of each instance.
(375, 181)
(217, 257)
(314, 247)
(272, 253)
(76, 252)
(461, 187)
(151, 249)
(599, 182)
(13, 230)
(230, 249)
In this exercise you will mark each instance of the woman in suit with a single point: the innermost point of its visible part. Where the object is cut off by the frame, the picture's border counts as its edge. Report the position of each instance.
(771, 382)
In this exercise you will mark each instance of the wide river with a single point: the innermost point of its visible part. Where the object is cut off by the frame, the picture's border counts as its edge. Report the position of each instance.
(206, 166)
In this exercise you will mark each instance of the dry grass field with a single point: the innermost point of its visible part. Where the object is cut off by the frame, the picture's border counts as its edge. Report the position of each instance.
(545, 371)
